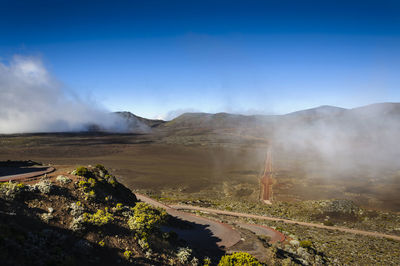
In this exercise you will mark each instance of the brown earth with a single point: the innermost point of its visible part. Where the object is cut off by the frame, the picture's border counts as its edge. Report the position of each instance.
(203, 169)
(225, 236)
(14, 173)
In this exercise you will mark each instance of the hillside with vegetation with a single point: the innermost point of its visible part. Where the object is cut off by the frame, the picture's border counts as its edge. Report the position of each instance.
(86, 217)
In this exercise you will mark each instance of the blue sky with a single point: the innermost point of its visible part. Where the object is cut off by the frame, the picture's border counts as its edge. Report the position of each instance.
(154, 57)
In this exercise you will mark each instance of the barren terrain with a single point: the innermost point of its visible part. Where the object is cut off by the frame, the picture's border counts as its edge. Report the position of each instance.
(202, 169)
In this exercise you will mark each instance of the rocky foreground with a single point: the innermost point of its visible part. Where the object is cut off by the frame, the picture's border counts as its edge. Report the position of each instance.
(86, 217)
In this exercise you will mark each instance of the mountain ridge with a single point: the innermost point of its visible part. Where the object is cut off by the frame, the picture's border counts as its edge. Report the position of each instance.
(322, 112)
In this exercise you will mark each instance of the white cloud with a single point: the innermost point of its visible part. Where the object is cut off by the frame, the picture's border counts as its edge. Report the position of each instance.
(32, 100)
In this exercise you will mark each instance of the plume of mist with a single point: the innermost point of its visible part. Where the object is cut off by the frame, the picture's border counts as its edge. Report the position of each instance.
(175, 113)
(32, 100)
(324, 142)
(341, 142)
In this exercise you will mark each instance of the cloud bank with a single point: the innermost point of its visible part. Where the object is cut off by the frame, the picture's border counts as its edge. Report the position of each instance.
(32, 100)
(350, 142)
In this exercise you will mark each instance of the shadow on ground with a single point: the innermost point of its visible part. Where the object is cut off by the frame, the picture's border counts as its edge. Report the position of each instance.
(197, 236)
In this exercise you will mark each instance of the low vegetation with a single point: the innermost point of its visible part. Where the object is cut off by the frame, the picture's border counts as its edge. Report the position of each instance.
(86, 217)
(335, 212)
(98, 218)
(146, 219)
(91, 218)
(238, 258)
(316, 246)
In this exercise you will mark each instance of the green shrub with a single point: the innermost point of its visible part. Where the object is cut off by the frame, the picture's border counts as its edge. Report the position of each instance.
(118, 208)
(146, 219)
(63, 179)
(206, 261)
(328, 223)
(305, 244)
(92, 182)
(101, 168)
(83, 185)
(99, 218)
(77, 224)
(43, 186)
(76, 209)
(83, 171)
(111, 180)
(184, 255)
(128, 254)
(10, 190)
(238, 258)
(90, 195)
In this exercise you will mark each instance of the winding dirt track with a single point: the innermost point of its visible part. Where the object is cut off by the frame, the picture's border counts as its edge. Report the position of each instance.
(27, 175)
(238, 214)
(262, 230)
(223, 235)
(226, 236)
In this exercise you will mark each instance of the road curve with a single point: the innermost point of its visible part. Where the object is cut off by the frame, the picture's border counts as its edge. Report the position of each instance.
(246, 215)
(27, 175)
(225, 235)
(261, 230)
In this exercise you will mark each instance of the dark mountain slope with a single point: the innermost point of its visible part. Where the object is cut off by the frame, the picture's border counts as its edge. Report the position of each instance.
(134, 119)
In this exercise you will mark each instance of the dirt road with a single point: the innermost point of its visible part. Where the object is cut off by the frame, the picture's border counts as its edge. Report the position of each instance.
(266, 180)
(205, 230)
(238, 214)
(262, 230)
(30, 174)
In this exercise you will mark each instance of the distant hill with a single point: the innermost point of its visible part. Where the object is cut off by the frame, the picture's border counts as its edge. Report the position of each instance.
(318, 112)
(134, 120)
(219, 120)
(198, 123)
(378, 110)
(126, 122)
(322, 113)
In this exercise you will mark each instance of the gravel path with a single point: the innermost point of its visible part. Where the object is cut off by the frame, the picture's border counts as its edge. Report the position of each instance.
(27, 175)
(261, 230)
(238, 214)
(224, 235)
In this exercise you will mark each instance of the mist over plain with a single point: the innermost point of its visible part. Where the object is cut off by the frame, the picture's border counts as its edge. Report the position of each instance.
(32, 100)
(335, 142)
(327, 141)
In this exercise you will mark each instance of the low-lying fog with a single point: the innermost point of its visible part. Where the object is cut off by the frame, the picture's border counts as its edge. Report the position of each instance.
(342, 141)
(335, 139)
(32, 100)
